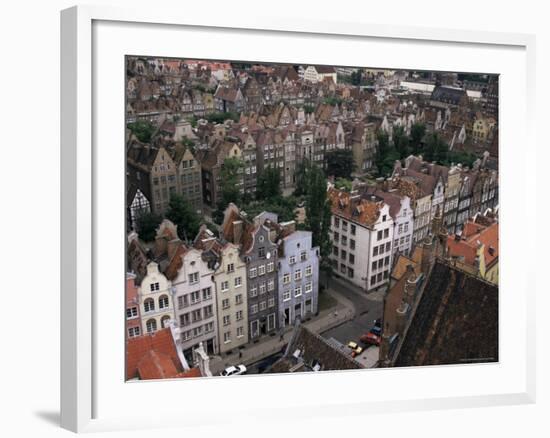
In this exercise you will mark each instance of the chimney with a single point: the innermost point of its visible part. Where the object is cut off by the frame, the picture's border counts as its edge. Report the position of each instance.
(237, 231)
(410, 285)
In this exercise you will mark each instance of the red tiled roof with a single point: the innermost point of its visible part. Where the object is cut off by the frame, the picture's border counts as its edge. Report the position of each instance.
(467, 245)
(359, 210)
(154, 356)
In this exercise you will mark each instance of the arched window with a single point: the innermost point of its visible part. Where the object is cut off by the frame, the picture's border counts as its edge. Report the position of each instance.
(149, 305)
(163, 302)
(164, 321)
(151, 325)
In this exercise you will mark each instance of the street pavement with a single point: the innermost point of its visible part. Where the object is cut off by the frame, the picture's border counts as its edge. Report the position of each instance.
(268, 346)
(368, 307)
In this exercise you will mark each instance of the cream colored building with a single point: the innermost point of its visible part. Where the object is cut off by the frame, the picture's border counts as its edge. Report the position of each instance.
(230, 279)
(155, 300)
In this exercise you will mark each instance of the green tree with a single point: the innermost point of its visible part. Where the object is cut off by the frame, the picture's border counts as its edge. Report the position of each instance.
(401, 142)
(418, 130)
(318, 210)
(343, 184)
(230, 184)
(142, 130)
(181, 213)
(340, 163)
(222, 117)
(269, 184)
(435, 148)
(356, 77)
(147, 224)
(301, 177)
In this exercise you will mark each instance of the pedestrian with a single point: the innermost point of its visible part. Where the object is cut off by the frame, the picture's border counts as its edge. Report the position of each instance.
(240, 354)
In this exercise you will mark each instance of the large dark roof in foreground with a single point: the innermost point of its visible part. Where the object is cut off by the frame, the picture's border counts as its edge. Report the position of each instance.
(456, 321)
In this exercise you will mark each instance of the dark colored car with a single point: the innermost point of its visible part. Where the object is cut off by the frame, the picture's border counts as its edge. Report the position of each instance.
(377, 327)
(370, 339)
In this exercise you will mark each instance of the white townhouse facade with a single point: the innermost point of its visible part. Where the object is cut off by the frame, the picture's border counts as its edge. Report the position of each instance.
(362, 236)
(195, 306)
(155, 298)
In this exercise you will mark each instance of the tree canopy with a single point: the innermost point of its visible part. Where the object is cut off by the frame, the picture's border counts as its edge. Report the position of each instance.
(142, 130)
(269, 184)
(340, 163)
(147, 224)
(181, 213)
(318, 212)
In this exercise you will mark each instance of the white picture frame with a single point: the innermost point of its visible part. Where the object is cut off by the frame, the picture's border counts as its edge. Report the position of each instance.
(82, 370)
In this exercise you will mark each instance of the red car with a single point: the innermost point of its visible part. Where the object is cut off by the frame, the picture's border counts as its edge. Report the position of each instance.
(370, 338)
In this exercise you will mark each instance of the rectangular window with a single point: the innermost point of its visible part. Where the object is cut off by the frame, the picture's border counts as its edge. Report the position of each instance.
(286, 295)
(254, 291)
(308, 287)
(343, 255)
(226, 320)
(182, 301)
(238, 282)
(194, 278)
(208, 311)
(386, 233)
(131, 312)
(207, 293)
(196, 315)
(263, 305)
(239, 315)
(336, 221)
(344, 240)
(374, 266)
(271, 302)
(154, 287)
(195, 296)
(227, 337)
(253, 309)
(351, 258)
(386, 261)
(292, 260)
(262, 288)
(254, 328)
(197, 331)
(309, 271)
(271, 285)
(303, 256)
(298, 291)
(209, 327)
(185, 319)
(352, 230)
(252, 273)
(270, 267)
(375, 251)
(225, 286)
(225, 303)
(298, 274)
(379, 235)
(336, 237)
(261, 270)
(231, 267)
(240, 332)
(400, 229)
(335, 250)
(261, 252)
(286, 278)
(388, 246)
(133, 331)
(350, 273)
(373, 280)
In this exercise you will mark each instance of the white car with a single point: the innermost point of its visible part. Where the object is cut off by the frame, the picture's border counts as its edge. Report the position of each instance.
(233, 371)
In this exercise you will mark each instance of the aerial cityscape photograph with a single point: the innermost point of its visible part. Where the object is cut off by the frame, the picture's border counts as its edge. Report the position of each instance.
(289, 218)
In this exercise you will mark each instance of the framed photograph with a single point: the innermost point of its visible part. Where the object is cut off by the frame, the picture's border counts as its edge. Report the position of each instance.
(277, 215)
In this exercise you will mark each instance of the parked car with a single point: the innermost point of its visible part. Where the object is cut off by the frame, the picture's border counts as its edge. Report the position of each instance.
(377, 327)
(233, 371)
(355, 349)
(370, 339)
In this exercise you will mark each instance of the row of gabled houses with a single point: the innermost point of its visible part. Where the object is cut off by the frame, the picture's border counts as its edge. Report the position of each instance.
(258, 277)
(373, 224)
